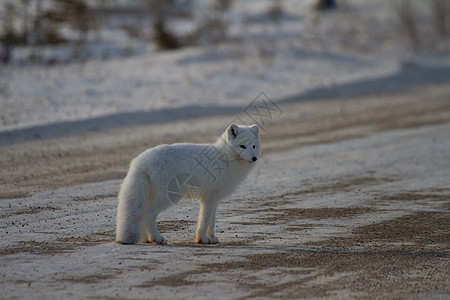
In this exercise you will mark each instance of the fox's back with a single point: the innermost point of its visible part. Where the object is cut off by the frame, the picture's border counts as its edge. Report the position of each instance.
(173, 158)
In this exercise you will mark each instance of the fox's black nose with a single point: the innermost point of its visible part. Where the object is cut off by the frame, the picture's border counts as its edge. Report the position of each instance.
(254, 158)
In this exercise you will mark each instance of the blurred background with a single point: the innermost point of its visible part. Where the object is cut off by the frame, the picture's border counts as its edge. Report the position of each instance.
(78, 59)
(61, 31)
(102, 29)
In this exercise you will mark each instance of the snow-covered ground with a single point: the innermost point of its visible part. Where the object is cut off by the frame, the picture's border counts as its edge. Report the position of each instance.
(219, 78)
(303, 52)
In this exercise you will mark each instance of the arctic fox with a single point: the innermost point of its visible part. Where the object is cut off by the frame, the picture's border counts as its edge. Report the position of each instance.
(161, 176)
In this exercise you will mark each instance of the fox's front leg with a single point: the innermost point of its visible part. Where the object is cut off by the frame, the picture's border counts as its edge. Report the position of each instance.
(212, 226)
(206, 216)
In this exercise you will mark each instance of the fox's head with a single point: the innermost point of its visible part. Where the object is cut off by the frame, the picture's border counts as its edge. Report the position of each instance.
(244, 141)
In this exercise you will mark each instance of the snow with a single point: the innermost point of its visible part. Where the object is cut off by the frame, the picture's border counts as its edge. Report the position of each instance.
(66, 249)
(278, 58)
(40, 95)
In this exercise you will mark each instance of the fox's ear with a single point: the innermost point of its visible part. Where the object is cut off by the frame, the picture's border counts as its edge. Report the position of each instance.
(255, 129)
(232, 131)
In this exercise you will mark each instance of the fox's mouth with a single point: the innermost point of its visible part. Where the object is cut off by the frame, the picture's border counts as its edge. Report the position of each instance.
(237, 157)
(254, 159)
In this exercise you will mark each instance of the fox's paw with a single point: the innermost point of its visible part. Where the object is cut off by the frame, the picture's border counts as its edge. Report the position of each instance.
(206, 240)
(203, 240)
(159, 241)
(214, 239)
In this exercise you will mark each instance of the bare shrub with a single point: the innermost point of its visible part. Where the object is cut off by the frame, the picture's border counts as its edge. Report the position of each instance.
(164, 39)
(36, 25)
(407, 19)
(11, 35)
(441, 13)
(7, 35)
(213, 25)
(324, 4)
(275, 11)
(222, 5)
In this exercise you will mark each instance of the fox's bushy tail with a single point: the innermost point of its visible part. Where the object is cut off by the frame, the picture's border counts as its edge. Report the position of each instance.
(133, 197)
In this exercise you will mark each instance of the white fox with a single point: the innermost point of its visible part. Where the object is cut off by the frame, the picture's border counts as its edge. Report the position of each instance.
(162, 176)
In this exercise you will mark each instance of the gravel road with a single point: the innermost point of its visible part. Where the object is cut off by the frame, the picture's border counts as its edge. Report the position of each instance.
(350, 200)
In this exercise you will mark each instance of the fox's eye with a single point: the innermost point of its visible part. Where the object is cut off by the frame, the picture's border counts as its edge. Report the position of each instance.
(253, 146)
(243, 146)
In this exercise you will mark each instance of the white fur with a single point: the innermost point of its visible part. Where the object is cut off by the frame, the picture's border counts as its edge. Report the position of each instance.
(217, 168)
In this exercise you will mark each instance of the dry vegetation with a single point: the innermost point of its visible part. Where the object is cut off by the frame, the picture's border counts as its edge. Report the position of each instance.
(411, 25)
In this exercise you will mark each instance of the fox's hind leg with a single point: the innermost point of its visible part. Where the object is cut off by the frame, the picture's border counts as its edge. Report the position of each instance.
(151, 229)
(149, 221)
